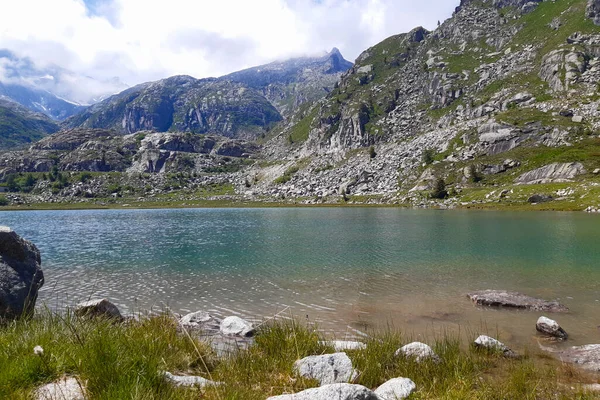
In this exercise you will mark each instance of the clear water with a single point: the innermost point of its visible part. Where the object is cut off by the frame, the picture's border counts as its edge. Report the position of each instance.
(351, 270)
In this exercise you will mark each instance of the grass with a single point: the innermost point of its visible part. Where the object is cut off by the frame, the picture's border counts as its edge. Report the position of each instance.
(126, 361)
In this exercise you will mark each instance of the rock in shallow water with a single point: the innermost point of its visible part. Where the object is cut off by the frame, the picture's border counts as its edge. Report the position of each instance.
(327, 368)
(492, 344)
(419, 351)
(501, 298)
(550, 327)
(98, 308)
(337, 391)
(236, 326)
(395, 389)
(21, 274)
(588, 356)
(63, 389)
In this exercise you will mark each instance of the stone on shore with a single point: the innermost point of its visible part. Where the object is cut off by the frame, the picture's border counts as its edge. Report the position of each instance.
(587, 357)
(550, 327)
(98, 308)
(418, 351)
(63, 389)
(200, 320)
(189, 380)
(327, 368)
(502, 298)
(336, 391)
(21, 275)
(236, 326)
(395, 389)
(491, 344)
(345, 345)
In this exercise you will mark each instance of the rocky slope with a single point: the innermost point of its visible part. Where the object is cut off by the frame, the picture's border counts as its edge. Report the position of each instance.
(183, 104)
(291, 83)
(19, 125)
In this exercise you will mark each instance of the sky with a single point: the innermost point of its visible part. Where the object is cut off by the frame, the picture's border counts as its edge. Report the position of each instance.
(145, 40)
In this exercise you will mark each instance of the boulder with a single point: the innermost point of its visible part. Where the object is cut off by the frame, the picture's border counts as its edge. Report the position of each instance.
(236, 326)
(491, 344)
(327, 368)
(539, 198)
(343, 345)
(189, 380)
(200, 320)
(501, 298)
(98, 308)
(550, 327)
(63, 389)
(555, 172)
(587, 356)
(21, 275)
(418, 351)
(395, 389)
(593, 11)
(336, 391)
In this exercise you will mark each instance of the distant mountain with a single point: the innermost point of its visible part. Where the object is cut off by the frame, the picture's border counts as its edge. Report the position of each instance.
(19, 125)
(51, 90)
(183, 104)
(289, 84)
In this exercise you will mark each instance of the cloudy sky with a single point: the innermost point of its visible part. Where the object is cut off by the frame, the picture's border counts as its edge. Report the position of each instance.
(142, 40)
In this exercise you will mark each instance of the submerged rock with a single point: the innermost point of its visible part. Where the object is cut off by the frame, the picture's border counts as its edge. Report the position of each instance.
(395, 389)
(501, 298)
(489, 343)
(550, 327)
(327, 368)
(189, 380)
(336, 391)
(63, 389)
(21, 274)
(419, 351)
(587, 357)
(98, 308)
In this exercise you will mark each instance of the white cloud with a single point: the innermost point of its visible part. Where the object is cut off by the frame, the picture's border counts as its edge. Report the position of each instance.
(141, 40)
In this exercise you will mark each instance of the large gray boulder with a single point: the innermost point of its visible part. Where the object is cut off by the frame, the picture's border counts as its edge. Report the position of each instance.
(395, 389)
(67, 388)
(21, 275)
(550, 327)
(337, 391)
(502, 298)
(327, 368)
(593, 11)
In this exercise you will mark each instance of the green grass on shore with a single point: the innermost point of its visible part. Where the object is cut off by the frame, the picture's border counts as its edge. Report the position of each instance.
(126, 361)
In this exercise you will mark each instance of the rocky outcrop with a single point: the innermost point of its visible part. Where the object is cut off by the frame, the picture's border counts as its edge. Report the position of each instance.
(493, 345)
(550, 327)
(418, 351)
(593, 11)
(21, 275)
(555, 172)
(560, 68)
(395, 389)
(327, 368)
(337, 391)
(67, 388)
(501, 298)
(95, 308)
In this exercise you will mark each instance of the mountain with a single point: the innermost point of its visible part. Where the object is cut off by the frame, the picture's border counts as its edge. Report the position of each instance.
(289, 84)
(51, 90)
(183, 104)
(19, 125)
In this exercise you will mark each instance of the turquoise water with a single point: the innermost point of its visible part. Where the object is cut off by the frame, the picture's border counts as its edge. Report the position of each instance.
(349, 269)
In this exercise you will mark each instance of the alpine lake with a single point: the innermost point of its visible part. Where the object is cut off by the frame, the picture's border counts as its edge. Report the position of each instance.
(349, 270)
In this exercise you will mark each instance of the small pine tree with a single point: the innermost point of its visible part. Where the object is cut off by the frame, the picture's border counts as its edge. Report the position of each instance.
(372, 152)
(439, 189)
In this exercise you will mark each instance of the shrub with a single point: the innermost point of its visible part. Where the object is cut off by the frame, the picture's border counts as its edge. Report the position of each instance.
(3, 201)
(439, 189)
(428, 156)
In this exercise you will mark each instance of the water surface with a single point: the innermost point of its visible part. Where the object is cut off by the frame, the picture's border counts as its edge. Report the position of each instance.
(349, 269)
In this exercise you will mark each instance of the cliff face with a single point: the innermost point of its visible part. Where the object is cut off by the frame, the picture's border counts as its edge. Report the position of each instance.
(183, 104)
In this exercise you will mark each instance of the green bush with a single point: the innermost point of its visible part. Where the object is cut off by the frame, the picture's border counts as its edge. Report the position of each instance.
(439, 190)
(3, 201)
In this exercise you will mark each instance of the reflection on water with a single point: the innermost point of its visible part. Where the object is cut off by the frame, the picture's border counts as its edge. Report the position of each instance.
(349, 269)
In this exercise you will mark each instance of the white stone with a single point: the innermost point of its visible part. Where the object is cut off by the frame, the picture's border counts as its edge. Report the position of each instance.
(5, 229)
(577, 119)
(63, 389)
(236, 326)
(550, 327)
(492, 344)
(336, 391)
(395, 389)
(327, 368)
(195, 320)
(189, 380)
(417, 350)
(343, 345)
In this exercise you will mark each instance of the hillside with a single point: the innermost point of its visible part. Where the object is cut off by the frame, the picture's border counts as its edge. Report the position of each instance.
(19, 126)
(183, 104)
